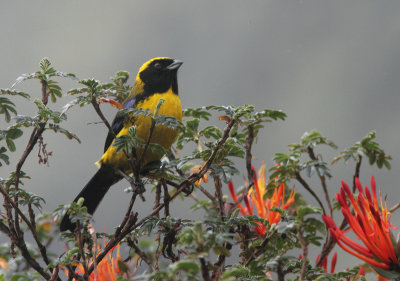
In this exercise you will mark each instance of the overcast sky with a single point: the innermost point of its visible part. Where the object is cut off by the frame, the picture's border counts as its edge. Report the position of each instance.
(330, 65)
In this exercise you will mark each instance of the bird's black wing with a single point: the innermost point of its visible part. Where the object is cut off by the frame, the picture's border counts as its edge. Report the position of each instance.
(118, 123)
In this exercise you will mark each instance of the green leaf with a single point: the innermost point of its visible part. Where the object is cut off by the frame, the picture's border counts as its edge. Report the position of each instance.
(14, 93)
(57, 129)
(235, 273)
(10, 145)
(4, 157)
(7, 107)
(147, 246)
(187, 266)
(168, 121)
(197, 113)
(14, 133)
(302, 211)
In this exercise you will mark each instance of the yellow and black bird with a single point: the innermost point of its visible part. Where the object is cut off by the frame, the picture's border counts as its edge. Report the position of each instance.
(156, 79)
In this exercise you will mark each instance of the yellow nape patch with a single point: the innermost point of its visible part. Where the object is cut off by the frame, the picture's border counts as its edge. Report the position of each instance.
(146, 64)
(161, 135)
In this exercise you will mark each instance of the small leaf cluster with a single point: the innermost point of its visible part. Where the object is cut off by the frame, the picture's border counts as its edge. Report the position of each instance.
(45, 115)
(369, 148)
(46, 72)
(94, 90)
(290, 165)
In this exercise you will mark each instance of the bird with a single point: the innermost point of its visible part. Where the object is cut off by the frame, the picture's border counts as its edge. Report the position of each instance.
(156, 79)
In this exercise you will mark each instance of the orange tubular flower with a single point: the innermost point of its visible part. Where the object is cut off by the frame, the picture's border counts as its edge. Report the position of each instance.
(107, 269)
(255, 197)
(370, 223)
(113, 103)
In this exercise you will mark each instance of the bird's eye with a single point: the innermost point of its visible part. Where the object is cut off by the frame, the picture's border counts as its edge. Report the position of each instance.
(157, 65)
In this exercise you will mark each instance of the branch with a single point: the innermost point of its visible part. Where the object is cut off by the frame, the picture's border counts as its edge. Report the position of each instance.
(30, 260)
(219, 195)
(220, 263)
(36, 134)
(208, 194)
(309, 189)
(260, 249)
(357, 172)
(305, 253)
(204, 270)
(30, 225)
(158, 197)
(166, 197)
(394, 208)
(323, 181)
(142, 255)
(101, 115)
(248, 146)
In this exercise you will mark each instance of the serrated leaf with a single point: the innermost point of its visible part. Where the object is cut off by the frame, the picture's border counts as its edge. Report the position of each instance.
(14, 93)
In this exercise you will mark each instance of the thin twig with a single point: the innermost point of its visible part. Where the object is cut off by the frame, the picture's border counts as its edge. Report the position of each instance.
(54, 275)
(280, 272)
(82, 252)
(219, 196)
(158, 197)
(248, 146)
(304, 246)
(323, 181)
(166, 197)
(394, 208)
(30, 260)
(101, 115)
(204, 270)
(220, 263)
(141, 254)
(127, 215)
(28, 223)
(309, 189)
(357, 172)
(208, 194)
(260, 249)
(42, 248)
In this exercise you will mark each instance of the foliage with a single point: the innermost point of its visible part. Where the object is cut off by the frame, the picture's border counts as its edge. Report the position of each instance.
(223, 245)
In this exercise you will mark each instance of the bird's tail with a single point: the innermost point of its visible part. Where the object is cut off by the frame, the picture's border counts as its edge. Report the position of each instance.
(93, 193)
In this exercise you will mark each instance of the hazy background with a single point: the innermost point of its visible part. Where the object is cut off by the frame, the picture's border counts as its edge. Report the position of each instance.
(330, 65)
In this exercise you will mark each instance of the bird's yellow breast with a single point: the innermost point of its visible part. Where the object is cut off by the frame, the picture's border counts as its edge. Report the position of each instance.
(161, 135)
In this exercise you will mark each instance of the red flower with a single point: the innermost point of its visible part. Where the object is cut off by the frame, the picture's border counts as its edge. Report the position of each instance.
(255, 197)
(370, 223)
(325, 263)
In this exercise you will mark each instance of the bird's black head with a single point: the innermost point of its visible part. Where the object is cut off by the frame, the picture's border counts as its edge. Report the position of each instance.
(158, 75)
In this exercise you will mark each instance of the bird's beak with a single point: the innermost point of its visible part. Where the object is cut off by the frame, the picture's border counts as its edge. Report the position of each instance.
(175, 65)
